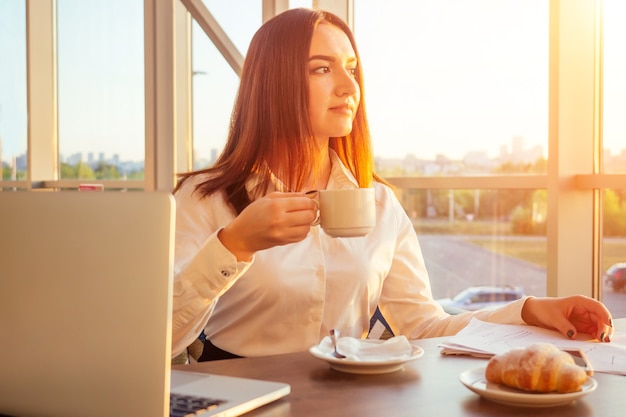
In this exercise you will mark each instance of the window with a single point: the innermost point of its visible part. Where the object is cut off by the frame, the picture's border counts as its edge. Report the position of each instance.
(456, 87)
(614, 158)
(481, 237)
(101, 89)
(613, 264)
(614, 93)
(13, 111)
(460, 89)
(214, 81)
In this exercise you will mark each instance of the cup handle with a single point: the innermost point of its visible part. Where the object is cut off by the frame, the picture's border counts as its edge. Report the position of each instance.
(313, 194)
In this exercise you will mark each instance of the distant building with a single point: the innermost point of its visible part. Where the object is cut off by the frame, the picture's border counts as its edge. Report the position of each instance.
(518, 154)
(517, 145)
(75, 159)
(477, 158)
(21, 162)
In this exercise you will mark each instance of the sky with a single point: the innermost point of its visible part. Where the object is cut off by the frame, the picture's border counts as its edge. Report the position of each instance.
(12, 79)
(441, 77)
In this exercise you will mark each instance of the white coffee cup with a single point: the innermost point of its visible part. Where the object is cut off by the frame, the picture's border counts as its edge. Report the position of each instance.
(346, 212)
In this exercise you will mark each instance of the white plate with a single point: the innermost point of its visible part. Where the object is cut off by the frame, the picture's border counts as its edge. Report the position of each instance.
(475, 380)
(365, 367)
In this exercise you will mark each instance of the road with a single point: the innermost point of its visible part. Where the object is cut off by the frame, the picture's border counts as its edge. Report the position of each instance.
(454, 264)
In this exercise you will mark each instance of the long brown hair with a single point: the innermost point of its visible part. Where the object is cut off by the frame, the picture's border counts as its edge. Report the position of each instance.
(270, 128)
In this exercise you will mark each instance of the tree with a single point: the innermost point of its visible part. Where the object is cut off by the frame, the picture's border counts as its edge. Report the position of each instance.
(106, 171)
(530, 219)
(614, 213)
(538, 167)
(79, 171)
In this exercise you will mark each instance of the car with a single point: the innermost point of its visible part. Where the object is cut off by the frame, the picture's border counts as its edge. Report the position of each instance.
(484, 297)
(615, 276)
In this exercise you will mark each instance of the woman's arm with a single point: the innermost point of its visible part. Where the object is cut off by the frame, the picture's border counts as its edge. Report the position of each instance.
(214, 248)
(203, 267)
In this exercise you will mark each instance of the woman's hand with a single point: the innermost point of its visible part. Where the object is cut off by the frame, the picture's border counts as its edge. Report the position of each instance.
(275, 219)
(570, 316)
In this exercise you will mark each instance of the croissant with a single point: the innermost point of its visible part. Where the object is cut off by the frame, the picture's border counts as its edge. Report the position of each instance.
(540, 367)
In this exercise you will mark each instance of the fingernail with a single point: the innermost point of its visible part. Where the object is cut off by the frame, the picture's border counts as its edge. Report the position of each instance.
(570, 333)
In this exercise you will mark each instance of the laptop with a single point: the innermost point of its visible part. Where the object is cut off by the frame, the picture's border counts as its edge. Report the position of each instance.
(85, 310)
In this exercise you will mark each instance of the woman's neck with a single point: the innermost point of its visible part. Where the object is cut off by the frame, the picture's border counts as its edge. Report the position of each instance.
(318, 180)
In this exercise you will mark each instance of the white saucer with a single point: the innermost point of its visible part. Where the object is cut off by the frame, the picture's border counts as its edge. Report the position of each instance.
(364, 366)
(475, 380)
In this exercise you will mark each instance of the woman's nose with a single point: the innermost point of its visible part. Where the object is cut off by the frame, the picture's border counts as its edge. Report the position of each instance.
(346, 83)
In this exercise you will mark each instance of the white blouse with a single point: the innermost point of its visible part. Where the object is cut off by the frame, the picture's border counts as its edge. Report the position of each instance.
(288, 297)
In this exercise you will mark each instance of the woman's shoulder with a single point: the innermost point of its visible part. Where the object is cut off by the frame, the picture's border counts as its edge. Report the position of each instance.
(191, 188)
(383, 191)
(387, 199)
(191, 181)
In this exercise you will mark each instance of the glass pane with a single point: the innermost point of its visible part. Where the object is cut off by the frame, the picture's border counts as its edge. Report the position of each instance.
(101, 89)
(214, 89)
(456, 86)
(214, 82)
(614, 123)
(614, 251)
(472, 238)
(240, 22)
(13, 110)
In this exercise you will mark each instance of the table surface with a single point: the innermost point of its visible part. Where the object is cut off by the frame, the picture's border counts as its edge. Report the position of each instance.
(427, 386)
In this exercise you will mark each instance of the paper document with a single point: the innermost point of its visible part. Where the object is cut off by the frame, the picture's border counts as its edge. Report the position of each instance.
(484, 339)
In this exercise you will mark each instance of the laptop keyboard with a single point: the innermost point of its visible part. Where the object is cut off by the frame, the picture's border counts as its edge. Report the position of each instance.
(182, 405)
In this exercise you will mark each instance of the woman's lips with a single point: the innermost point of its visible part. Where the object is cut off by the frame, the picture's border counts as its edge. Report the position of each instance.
(344, 108)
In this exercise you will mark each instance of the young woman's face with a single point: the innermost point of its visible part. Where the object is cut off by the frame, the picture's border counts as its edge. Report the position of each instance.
(334, 93)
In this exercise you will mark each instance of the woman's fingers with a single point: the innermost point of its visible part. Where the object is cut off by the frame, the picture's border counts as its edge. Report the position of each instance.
(570, 316)
(273, 220)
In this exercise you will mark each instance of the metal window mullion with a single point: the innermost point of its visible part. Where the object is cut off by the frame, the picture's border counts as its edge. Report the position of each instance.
(596, 276)
(41, 67)
(273, 7)
(572, 92)
(485, 182)
(214, 31)
(184, 107)
(160, 86)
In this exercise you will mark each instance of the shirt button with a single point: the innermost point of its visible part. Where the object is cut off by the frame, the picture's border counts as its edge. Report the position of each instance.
(225, 273)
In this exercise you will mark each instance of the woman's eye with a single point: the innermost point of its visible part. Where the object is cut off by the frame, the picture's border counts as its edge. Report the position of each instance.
(326, 70)
(321, 70)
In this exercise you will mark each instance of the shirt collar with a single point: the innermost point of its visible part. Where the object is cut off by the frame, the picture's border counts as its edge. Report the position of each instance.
(340, 178)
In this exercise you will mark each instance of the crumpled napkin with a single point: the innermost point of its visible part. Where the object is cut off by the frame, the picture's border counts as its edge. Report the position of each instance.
(364, 350)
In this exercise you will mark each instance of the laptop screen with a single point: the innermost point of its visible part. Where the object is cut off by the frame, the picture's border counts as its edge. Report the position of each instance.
(85, 302)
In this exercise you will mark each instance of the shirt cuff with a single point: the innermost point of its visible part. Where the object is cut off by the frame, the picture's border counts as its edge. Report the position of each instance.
(510, 313)
(215, 269)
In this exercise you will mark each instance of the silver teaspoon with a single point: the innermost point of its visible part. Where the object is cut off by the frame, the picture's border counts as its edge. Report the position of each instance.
(334, 334)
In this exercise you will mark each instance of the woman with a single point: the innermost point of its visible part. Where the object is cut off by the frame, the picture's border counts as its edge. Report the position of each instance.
(252, 274)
